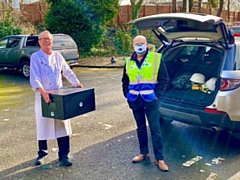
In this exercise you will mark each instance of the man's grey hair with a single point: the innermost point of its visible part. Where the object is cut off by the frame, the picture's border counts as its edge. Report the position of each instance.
(46, 31)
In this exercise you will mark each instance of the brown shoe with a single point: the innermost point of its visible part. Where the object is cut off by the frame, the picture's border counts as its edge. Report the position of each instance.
(162, 165)
(140, 158)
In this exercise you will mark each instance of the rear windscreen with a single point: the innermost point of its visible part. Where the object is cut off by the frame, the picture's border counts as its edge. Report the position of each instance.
(172, 25)
(63, 41)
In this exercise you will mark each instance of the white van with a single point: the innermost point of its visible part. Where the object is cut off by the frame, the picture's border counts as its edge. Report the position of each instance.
(203, 63)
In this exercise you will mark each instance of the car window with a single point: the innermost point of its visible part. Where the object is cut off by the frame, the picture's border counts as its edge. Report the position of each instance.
(190, 50)
(236, 30)
(207, 49)
(185, 25)
(13, 42)
(32, 41)
(3, 43)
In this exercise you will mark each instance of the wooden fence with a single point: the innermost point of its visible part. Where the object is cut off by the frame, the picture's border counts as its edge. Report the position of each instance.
(35, 12)
(125, 13)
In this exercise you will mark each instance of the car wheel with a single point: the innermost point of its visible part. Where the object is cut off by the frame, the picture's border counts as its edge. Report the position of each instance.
(165, 122)
(25, 69)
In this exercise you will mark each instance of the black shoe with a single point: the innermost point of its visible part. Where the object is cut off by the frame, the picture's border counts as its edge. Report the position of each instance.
(39, 160)
(65, 162)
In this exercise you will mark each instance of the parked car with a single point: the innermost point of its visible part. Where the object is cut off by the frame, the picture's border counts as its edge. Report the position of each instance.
(16, 50)
(236, 30)
(203, 62)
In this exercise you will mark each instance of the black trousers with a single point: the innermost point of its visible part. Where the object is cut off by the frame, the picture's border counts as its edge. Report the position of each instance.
(63, 145)
(148, 110)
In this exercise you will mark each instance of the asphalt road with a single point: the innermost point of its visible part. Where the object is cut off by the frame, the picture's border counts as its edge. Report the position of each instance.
(104, 141)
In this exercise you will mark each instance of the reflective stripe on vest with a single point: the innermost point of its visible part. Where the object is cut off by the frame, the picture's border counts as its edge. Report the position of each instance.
(143, 80)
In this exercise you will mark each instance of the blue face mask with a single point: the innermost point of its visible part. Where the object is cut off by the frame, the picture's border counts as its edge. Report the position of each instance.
(140, 48)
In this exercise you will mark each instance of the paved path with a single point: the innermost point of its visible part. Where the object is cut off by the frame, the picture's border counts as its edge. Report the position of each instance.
(103, 62)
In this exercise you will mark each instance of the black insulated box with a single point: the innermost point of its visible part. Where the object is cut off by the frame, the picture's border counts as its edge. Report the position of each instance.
(68, 103)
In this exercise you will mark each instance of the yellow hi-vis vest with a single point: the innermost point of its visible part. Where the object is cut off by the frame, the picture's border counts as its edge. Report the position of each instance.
(143, 80)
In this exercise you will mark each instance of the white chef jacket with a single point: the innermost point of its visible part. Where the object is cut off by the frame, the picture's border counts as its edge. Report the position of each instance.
(46, 72)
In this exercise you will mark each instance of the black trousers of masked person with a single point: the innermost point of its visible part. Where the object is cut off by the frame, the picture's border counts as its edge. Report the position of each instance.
(142, 109)
(63, 145)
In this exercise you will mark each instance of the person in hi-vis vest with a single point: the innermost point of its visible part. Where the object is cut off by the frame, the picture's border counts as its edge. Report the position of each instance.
(144, 80)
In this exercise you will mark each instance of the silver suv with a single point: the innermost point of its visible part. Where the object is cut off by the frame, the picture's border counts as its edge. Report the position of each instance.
(204, 69)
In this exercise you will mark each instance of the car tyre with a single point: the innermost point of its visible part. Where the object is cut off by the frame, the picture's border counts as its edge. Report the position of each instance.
(25, 69)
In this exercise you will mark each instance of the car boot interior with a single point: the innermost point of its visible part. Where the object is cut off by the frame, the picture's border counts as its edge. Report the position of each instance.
(182, 63)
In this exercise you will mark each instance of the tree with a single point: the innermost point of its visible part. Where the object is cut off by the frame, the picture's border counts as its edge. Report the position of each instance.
(106, 10)
(174, 6)
(190, 4)
(84, 20)
(221, 2)
(7, 23)
(199, 6)
(235, 5)
(213, 3)
(228, 10)
(136, 6)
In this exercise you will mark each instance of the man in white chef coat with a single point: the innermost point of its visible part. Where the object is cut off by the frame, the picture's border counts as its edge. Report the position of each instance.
(46, 70)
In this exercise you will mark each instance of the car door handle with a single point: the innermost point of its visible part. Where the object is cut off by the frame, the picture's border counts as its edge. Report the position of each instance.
(15, 50)
(3, 51)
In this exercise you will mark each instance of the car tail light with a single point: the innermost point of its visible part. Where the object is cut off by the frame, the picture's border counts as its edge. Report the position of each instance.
(214, 111)
(229, 84)
(78, 54)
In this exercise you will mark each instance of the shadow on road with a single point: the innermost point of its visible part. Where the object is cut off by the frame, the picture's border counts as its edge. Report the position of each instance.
(111, 160)
(10, 72)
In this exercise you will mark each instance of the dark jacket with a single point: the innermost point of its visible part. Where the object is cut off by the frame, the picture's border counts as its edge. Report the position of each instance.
(162, 78)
